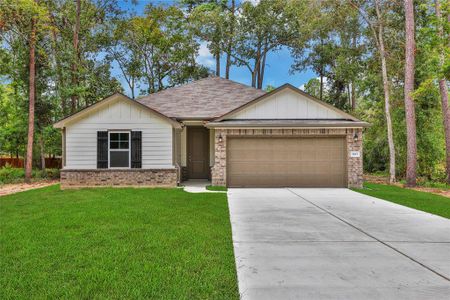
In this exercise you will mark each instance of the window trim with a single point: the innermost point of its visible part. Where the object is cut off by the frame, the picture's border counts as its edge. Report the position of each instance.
(119, 150)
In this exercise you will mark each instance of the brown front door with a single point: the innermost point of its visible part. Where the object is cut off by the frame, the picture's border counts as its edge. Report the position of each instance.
(198, 152)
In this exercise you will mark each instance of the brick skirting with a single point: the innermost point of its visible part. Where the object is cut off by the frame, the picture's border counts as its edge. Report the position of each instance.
(119, 178)
(354, 164)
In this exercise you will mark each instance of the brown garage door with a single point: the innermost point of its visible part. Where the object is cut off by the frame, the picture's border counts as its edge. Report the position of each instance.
(281, 162)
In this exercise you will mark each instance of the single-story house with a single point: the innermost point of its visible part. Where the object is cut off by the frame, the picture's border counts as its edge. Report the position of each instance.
(217, 129)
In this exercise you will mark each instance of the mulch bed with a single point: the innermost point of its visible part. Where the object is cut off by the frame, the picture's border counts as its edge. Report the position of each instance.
(12, 188)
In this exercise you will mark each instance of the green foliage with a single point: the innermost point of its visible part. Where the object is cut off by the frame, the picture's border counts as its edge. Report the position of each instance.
(116, 243)
(430, 133)
(435, 204)
(158, 48)
(312, 87)
(17, 175)
(154, 51)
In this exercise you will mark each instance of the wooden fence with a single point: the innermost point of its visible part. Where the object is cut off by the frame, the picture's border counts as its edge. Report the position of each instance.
(50, 163)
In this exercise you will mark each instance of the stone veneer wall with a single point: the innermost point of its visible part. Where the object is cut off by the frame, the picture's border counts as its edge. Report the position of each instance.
(119, 178)
(354, 164)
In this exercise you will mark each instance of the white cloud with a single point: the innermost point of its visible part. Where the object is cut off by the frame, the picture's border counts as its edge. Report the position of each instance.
(204, 56)
(253, 2)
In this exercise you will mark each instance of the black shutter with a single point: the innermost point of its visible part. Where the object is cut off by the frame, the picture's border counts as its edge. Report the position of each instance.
(136, 149)
(102, 149)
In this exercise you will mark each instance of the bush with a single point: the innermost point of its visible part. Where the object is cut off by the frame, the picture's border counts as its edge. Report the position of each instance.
(9, 174)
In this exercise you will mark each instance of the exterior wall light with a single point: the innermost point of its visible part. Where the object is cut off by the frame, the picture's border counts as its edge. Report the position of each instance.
(355, 137)
(220, 138)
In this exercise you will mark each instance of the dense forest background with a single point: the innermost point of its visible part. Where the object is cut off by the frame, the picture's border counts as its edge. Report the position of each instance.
(372, 58)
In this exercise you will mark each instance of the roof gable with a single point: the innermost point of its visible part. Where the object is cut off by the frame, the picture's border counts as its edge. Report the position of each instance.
(117, 107)
(286, 102)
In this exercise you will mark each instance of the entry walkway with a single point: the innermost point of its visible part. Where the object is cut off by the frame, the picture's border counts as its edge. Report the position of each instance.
(198, 186)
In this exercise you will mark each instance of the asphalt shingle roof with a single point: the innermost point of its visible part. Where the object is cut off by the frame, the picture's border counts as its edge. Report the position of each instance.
(205, 98)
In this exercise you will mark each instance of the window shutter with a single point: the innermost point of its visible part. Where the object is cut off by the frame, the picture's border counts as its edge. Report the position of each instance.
(102, 149)
(136, 149)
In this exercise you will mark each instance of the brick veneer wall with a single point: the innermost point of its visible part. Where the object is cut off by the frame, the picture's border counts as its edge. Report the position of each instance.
(106, 177)
(354, 164)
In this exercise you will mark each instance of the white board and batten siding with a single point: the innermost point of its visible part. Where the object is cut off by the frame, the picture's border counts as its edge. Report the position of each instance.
(81, 135)
(286, 105)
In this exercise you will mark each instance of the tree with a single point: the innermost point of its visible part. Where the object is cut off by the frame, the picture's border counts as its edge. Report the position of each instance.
(313, 87)
(36, 51)
(32, 98)
(26, 19)
(411, 164)
(231, 21)
(123, 52)
(263, 28)
(377, 29)
(333, 51)
(443, 89)
(155, 51)
(76, 31)
(209, 21)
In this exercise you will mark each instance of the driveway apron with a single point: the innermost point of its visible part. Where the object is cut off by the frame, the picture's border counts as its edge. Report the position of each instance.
(336, 244)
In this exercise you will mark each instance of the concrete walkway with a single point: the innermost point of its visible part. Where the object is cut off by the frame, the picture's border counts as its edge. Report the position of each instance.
(336, 244)
(198, 186)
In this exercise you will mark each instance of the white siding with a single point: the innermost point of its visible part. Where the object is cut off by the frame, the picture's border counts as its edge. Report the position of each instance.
(287, 105)
(81, 135)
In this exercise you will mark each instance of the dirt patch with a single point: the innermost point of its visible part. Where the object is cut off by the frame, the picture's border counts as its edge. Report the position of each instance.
(8, 189)
(384, 180)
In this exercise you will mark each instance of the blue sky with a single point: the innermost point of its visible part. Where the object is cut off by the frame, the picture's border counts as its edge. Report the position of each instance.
(277, 68)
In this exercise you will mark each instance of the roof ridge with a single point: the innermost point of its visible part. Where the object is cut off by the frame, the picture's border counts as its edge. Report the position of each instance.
(240, 83)
(211, 77)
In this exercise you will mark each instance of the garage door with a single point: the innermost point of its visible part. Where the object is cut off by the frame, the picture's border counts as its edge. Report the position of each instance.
(284, 162)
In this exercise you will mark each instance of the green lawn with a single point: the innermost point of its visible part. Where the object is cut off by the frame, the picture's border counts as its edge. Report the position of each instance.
(435, 204)
(116, 243)
(216, 188)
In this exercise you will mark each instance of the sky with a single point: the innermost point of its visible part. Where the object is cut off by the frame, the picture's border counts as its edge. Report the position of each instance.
(277, 68)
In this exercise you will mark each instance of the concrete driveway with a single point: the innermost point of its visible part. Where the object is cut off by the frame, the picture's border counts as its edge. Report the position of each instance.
(336, 244)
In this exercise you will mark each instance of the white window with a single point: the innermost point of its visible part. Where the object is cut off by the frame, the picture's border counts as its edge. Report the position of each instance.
(119, 149)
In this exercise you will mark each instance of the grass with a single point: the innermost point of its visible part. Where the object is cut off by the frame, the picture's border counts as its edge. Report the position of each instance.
(116, 243)
(430, 184)
(428, 202)
(216, 188)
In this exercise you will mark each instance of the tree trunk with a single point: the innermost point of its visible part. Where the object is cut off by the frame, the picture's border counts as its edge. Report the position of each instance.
(57, 66)
(387, 106)
(411, 144)
(32, 97)
(321, 85)
(41, 146)
(230, 40)
(76, 31)
(254, 78)
(443, 89)
(217, 56)
(353, 96)
(132, 87)
(262, 69)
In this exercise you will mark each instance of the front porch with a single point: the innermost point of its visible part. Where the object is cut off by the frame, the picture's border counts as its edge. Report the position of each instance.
(195, 154)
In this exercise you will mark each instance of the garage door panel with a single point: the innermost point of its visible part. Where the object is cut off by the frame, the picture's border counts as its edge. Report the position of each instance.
(278, 162)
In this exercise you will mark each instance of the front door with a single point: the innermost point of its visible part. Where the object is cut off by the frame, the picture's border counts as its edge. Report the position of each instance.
(198, 152)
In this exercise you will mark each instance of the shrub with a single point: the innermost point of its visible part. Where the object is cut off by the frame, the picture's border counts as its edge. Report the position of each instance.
(9, 174)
